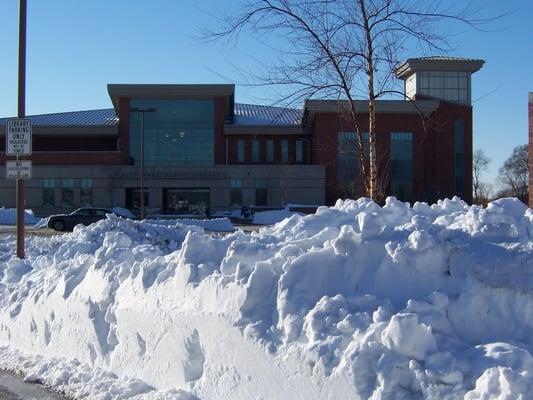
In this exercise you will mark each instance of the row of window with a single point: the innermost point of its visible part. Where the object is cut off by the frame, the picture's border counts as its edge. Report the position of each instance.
(257, 147)
(67, 192)
(401, 161)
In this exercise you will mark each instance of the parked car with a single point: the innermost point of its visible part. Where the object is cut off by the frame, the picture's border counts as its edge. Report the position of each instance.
(85, 216)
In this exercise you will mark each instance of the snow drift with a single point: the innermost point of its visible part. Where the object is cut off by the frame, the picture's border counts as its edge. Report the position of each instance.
(355, 301)
(8, 216)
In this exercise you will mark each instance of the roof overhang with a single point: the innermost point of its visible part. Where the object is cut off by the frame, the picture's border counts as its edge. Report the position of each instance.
(314, 107)
(165, 91)
(412, 65)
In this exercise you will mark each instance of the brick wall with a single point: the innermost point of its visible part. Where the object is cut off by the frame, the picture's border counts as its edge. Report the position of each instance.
(433, 148)
(530, 124)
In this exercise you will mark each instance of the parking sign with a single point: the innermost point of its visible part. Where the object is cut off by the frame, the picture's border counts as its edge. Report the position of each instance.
(18, 137)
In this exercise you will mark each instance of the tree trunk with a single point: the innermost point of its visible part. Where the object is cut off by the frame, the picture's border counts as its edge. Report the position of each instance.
(372, 180)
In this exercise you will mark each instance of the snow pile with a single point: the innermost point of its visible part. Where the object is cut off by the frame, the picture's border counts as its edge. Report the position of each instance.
(213, 225)
(355, 301)
(8, 216)
(273, 216)
(123, 212)
(270, 217)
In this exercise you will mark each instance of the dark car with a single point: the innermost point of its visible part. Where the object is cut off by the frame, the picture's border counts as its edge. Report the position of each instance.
(85, 216)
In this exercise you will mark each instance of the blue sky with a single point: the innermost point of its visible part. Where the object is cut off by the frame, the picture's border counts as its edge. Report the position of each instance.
(76, 47)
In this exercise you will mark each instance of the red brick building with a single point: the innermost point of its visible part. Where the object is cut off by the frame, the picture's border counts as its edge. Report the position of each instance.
(204, 152)
(530, 124)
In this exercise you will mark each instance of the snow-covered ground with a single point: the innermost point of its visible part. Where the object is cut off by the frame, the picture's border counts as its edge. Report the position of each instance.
(355, 301)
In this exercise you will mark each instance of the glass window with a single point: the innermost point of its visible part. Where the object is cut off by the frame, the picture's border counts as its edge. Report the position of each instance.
(178, 133)
(240, 151)
(284, 150)
(67, 192)
(255, 151)
(236, 193)
(348, 157)
(186, 201)
(270, 151)
(447, 85)
(460, 158)
(49, 192)
(299, 151)
(261, 192)
(401, 168)
(86, 192)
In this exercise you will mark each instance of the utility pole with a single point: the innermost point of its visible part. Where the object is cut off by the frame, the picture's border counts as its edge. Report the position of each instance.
(21, 114)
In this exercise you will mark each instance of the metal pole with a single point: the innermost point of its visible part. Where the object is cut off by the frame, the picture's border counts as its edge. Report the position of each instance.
(142, 165)
(21, 114)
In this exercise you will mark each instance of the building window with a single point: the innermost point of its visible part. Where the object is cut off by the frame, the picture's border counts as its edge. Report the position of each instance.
(236, 193)
(255, 151)
(261, 192)
(49, 191)
(459, 158)
(348, 165)
(133, 198)
(299, 151)
(270, 151)
(179, 133)
(240, 151)
(86, 192)
(401, 168)
(186, 201)
(447, 85)
(67, 192)
(284, 151)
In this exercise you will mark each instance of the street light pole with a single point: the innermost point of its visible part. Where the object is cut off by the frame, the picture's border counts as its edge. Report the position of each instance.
(142, 111)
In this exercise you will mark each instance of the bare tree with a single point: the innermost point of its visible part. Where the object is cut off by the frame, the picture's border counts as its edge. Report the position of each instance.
(514, 174)
(480, 164)
(345, 49)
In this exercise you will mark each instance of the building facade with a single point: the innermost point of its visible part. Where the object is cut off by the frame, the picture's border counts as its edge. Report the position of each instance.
(530, 148)
(200, 151)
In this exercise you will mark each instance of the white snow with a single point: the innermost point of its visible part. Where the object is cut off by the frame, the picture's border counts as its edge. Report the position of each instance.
(123, 212)
(355, 301)
(270, 217)
(8, 216)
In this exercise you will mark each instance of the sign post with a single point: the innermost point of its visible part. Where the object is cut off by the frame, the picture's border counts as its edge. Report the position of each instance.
(21, 114)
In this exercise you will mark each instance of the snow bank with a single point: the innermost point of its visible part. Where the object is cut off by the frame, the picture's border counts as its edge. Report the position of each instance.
(8, 216)
(213, 225)
(123, 212)
(273, 216)
(355, 301)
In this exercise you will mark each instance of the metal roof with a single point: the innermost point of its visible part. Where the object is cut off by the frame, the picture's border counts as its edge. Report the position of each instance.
(106, 117)
(251, 114)
(245, 114)
(437, 63)
(442, 58)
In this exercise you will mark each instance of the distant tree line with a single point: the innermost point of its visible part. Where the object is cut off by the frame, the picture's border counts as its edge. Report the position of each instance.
(512, 181)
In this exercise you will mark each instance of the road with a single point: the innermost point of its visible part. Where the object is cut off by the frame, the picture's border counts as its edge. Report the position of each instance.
(6, 230)
(12, 387)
